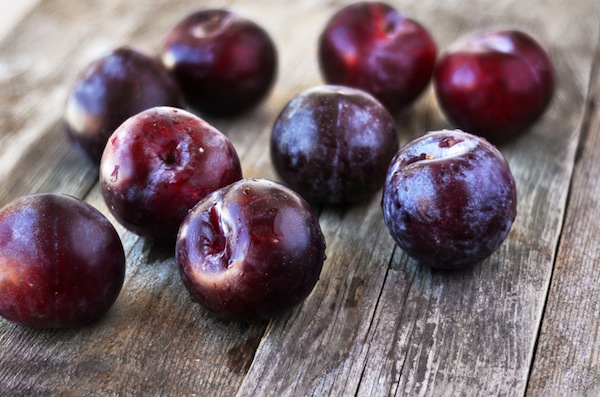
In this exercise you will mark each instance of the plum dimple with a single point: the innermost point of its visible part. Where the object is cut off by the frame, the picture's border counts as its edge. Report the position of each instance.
(159, 164)
(451, 205)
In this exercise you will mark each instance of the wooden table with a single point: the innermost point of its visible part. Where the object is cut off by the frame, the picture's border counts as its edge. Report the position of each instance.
(523, 322)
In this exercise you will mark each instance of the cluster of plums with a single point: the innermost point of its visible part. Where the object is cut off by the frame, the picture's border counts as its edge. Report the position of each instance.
(252, 248)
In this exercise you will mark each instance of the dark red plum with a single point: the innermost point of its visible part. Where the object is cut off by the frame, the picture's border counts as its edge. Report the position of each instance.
(62, 263)
(449, 199)
(158, 165)
(250, 250)
(333, 144)
(372, 46)
(495, 84)
(111, 89)
(224, 63)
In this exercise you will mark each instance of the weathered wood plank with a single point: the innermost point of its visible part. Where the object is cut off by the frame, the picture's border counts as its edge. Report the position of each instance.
(466, 333)
(42, 58)
(308, 351)
(567, 356)
(49, 165)
(376, 323)
(12, 13)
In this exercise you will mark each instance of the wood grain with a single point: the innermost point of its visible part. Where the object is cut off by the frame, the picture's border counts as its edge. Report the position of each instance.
(568, 353)
(12, 12)
(376, 324)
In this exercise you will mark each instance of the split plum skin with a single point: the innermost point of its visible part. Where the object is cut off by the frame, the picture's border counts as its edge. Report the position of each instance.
(62, 264)
(250, 250)
(449, 199)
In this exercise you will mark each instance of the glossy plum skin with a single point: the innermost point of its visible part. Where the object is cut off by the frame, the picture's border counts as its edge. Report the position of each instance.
(449, 199)
(333, 144)
(372, 46)
(158, 165)
(112, 88)
(62, 263)
(496, 84)
(251, 250)
(224, 63)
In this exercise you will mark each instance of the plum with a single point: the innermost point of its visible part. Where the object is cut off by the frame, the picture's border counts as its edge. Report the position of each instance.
(224, 63)
(495, 84)
(250, 250)
(109, 90)
(372, 46)
(333, 144)
(449, 199)
(158, 164)
(62, 264)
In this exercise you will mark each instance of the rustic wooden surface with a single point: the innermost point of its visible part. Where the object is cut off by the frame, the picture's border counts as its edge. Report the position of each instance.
(523, 323)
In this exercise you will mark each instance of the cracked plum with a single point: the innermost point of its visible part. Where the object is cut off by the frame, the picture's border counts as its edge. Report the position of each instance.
(449, 199)
(250, 250)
